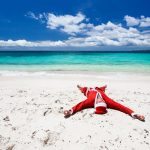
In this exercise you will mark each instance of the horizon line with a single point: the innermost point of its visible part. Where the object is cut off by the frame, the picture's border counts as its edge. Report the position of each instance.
(121, 51)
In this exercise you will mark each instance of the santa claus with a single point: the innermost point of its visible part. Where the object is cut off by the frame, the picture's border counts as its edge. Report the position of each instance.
(96, 98)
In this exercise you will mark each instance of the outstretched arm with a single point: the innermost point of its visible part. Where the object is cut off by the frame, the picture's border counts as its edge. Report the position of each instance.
(80, 106)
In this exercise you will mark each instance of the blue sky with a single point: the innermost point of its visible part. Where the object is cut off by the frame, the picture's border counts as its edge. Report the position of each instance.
(65, 24)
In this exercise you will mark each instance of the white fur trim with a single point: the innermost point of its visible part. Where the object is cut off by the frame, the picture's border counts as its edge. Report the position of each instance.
(100, 104)
(87, 90)
(133, 114)
(71, 110)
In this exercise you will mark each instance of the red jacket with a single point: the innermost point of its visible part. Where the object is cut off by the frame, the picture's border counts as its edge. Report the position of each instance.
(91, 94)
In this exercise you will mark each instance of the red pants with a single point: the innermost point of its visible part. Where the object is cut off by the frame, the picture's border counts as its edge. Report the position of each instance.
(89, 103)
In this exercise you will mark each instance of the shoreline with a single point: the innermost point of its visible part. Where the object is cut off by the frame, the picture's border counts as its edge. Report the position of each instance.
(71, 73)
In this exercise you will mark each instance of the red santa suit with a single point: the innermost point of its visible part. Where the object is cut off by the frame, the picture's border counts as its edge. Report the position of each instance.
(96, 98)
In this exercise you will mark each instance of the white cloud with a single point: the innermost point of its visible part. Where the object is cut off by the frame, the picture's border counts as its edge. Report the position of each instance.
(145, 22)
(32, 15)
(56, 21)
(85, 34)
(67, 23)
(96, 40)
(142, 21)
(114, 37)
(131, 21)
(40, 17)
(25, 43)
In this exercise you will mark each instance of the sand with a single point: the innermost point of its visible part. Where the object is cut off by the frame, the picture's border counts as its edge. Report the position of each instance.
(31, 113)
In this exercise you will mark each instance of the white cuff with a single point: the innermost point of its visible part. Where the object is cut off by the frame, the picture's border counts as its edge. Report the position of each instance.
(71, 110)
(133, 114)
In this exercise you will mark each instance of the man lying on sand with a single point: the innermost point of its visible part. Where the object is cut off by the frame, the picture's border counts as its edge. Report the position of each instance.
(96, 98)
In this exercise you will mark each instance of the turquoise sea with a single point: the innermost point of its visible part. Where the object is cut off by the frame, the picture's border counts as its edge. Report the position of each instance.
(75, 61)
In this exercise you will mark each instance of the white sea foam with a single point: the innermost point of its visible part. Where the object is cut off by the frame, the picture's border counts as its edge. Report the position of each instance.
(85, 74)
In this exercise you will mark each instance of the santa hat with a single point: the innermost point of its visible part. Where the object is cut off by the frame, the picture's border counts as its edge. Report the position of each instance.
(100, 110)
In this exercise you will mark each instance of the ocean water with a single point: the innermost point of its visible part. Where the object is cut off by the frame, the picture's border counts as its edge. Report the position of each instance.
(74, 61)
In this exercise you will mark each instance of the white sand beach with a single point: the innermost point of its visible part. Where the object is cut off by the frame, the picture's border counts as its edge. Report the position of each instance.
(31, 113)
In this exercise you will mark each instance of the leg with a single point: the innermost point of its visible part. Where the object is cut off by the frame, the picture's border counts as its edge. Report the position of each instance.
(117, 106)
(114, 105)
